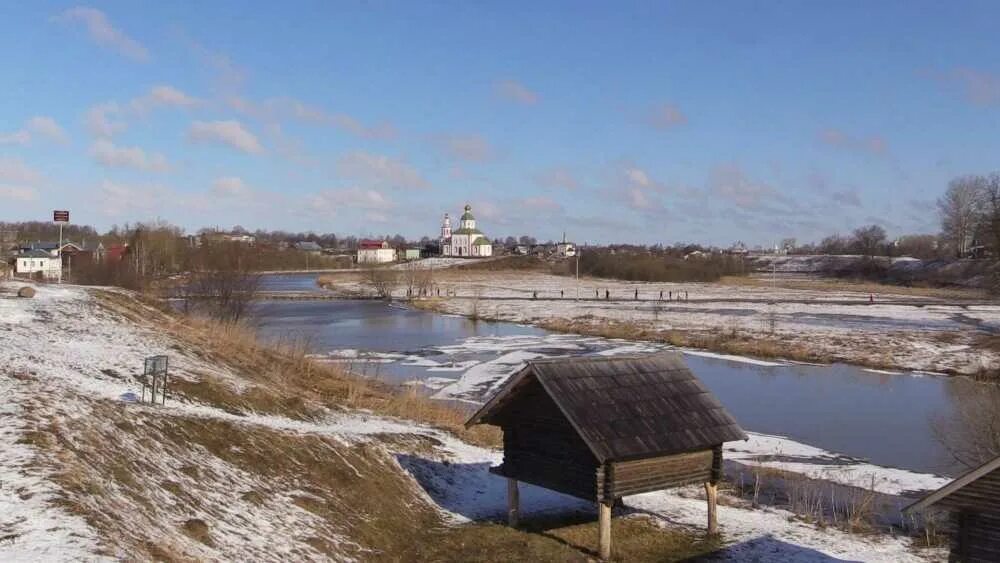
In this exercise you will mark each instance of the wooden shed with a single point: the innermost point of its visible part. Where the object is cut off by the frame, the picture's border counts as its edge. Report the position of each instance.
(599, 428)
(974, 503)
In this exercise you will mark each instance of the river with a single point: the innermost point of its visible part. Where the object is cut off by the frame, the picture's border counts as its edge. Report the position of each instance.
(885, 418)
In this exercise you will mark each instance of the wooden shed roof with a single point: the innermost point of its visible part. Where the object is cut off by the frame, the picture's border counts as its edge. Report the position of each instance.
(627, 407)
(967, 479)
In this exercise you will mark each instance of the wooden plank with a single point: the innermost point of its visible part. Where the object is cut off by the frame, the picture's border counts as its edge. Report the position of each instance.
(604, 523)
(513, 503)
(712, 491)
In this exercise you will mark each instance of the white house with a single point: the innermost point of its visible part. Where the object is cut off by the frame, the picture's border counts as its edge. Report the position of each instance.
(375, 252)
(35, 262)
(467, 240)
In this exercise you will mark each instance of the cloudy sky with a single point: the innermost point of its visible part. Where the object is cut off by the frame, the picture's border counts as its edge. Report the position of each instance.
(643, 122)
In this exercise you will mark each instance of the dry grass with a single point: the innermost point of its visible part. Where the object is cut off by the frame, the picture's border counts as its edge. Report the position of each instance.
(725, 341)
(285, 380)
(841, 285)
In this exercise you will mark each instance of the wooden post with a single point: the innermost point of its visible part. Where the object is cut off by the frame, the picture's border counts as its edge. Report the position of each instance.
(513, 503)
(604, 523)
(711, 491)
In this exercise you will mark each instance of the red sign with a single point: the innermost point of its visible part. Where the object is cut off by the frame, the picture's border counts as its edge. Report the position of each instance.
(60, 216)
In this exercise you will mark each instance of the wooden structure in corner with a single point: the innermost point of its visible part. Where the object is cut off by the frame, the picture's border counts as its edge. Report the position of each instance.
(974, 503)
(600, 428)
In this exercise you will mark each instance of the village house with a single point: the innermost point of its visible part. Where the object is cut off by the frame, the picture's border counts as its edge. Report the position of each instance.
(37, 263)
(467, 241)
(375, 252)
(409, 254)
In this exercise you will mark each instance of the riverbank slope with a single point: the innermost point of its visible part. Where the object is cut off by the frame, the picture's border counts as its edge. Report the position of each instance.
(260, 454)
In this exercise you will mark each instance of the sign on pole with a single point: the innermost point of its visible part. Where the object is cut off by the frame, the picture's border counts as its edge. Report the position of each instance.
(60, 216)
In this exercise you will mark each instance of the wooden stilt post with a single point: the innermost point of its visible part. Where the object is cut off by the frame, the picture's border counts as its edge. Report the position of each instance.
(604, 523)
(513, 503)
(712, 491)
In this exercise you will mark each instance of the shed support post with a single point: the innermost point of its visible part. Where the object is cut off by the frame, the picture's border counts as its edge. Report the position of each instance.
(513, 503)
(604, 523)
(711, 492)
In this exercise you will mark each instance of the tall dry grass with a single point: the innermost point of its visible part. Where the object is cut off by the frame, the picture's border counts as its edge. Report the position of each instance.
(284, 378)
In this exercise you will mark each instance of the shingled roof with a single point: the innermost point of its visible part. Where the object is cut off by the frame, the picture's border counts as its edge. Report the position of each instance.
(626, 407)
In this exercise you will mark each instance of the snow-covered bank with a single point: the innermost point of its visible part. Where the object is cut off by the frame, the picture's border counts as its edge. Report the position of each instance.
(80, 359)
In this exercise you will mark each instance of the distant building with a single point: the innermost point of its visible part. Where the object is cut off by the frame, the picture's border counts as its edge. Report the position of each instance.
(738, 249)
(467, 240)
(308, 246)
(375, 252)
(37, 263)
(411, 254)
(217, 237)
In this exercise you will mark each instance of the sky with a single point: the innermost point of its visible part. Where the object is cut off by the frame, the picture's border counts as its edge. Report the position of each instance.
(657, 122)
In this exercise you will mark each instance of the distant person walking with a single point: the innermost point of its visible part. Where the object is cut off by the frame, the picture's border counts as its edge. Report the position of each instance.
(607, 295)
(534, 295)
(685, 296)
(670, 296)
(597, 294)
(562, 293)
(661, 295)
(871, 298)
(636, 294)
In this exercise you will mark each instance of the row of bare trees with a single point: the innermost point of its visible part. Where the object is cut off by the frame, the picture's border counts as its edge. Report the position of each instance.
(970, 213)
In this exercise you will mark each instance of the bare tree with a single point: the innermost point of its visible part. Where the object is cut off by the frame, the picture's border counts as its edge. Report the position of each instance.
(959, 209)
(990, 219)
(869, 240)
(971, 433)
(382, 280)
(222, 283)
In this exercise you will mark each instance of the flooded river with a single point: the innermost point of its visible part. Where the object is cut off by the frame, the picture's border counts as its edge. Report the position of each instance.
(882, 417)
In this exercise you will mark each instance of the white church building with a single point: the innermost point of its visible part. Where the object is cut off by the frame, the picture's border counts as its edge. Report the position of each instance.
(467, 240)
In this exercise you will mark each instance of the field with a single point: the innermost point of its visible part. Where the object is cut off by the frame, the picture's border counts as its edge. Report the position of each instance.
(941, 331)
(259, 454)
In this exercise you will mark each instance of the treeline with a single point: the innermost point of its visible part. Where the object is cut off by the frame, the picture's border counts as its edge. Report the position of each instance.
(970, 214)
(658, 264)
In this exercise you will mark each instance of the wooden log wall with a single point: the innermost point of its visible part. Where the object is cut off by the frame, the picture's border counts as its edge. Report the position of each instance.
(976, 513)
(653, 474)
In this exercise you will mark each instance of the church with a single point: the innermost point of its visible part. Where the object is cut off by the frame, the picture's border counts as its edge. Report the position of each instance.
(467, 240)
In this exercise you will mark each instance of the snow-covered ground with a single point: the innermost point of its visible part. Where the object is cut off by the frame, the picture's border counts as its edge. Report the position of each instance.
(65, 355)
(899, 331)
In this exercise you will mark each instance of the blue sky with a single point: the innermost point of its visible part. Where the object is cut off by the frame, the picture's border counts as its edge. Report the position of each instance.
(637, 122)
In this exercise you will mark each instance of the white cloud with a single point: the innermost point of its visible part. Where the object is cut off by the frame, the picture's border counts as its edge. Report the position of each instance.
(380, 171)
(277, 109)
(38, 126)
(229, 186)
(666, 116)
(119, 200)
(873, 145)
(230, 133)
(729, 182)
(47, 127)
(19, 137)
(108, 119)
(373, 202)
(17, 193)
(101, 120)
(109, 154)
(104, 33)
(514, 91)
(981, 88)
(163, 95)
(558, 177)
(468, 148)
(15, 171)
